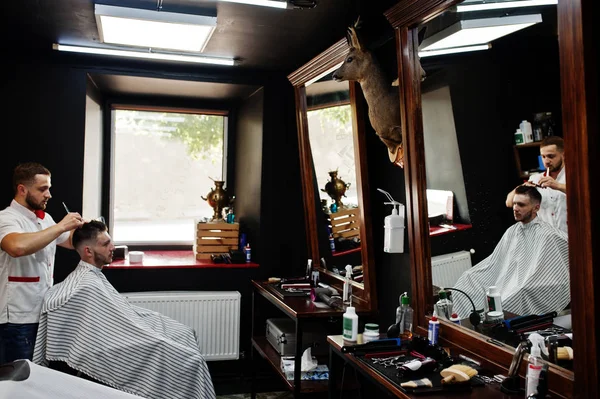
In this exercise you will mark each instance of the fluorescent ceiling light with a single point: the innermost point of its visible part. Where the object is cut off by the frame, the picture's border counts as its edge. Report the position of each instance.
(454, 50)
(324, 73)
(153, 29)
(482, 6)
(478, 31)
(266, 3)
(145, 55)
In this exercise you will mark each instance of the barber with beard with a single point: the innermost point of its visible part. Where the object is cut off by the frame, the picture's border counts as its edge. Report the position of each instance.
(551, 184)
(28, 240)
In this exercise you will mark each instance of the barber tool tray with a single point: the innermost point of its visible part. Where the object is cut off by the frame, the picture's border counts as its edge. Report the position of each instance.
(281, 334)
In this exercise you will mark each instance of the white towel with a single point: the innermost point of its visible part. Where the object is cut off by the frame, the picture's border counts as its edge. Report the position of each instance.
(44, 383)
(86, 323)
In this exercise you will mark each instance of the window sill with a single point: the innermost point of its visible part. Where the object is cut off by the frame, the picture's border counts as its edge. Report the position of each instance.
(175, 260)
(438, 230)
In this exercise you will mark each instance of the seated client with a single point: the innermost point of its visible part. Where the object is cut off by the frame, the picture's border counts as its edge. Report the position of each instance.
(530, 265)
(87, 324)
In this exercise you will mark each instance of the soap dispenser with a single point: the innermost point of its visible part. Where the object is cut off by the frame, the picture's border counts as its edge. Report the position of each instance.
(393, 240)
(347, 293)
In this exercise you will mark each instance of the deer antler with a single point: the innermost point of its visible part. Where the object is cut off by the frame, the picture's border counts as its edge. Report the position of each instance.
(354, 40)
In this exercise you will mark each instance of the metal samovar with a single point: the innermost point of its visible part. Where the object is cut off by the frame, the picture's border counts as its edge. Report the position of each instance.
(218, 199)
(336, 188)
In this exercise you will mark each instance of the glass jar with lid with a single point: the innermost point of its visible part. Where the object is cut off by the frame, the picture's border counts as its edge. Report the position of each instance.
(371, 332)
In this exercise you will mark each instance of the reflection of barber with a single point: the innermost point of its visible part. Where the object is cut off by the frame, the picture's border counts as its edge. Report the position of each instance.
(530, 265)
(551, 184)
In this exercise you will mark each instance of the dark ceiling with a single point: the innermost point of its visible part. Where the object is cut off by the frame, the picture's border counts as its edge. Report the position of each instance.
(261, 38)
(138, 86)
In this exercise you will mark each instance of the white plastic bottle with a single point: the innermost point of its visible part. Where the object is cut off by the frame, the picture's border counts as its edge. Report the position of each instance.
(347, 294)
(519, 137)
(493, 300)
(525, 127)
(350, 324)
(534, 366)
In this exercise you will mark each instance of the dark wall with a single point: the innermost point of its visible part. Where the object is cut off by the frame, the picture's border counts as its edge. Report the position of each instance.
(248, 167)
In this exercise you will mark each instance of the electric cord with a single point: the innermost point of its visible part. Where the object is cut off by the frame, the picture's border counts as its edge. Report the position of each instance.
(474, 317)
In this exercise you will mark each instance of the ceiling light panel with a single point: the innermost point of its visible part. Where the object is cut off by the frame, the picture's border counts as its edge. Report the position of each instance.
(454, 50)
(499, 5)
(265, 3)
(478, 31)
(154, 29)
(145, 55)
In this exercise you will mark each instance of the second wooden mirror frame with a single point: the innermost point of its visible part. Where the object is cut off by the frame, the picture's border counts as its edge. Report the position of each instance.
(578, 116)
(317, 67)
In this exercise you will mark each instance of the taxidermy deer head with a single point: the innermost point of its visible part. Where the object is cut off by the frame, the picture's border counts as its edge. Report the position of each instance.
(382, 98)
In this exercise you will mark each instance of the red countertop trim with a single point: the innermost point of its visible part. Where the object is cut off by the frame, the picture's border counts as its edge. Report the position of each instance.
(175, 260)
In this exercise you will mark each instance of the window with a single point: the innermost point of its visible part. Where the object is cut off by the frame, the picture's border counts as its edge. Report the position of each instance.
(332, 146)
(162, 163)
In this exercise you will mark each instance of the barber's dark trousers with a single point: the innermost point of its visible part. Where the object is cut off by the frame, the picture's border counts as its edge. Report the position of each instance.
(17, 341)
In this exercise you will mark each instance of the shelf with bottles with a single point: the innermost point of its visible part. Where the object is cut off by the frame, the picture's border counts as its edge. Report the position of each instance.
(527, 159)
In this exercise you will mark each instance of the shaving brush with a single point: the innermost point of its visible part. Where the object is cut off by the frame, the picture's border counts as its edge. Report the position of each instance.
(564, 353)
(457, 373)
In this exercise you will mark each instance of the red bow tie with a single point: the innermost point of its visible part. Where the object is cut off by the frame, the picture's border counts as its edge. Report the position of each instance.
(40, 214)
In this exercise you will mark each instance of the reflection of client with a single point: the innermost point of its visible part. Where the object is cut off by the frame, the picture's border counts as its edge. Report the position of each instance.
(87, 324)
(530, 265)
(552, 184)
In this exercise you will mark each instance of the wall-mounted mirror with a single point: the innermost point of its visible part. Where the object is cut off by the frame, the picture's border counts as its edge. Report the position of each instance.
(331, 138)
(467, 112)
(330, 119)
(474, 107)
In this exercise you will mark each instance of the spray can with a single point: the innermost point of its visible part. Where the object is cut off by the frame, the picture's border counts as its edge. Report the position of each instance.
(455, 319)
(331, 243)
(433, 331)
(248, 253)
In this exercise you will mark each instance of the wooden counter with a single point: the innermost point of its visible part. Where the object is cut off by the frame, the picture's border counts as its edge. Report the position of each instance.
(489, 391)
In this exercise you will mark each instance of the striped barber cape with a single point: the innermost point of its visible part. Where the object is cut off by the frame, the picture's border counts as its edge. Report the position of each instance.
(87, 324)
(530, 267)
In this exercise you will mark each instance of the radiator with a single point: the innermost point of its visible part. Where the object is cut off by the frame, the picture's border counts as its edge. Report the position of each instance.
(214, 315)
(447, 268)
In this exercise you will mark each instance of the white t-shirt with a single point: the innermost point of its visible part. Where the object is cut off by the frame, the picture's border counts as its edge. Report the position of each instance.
(553, 208)
(25, 280)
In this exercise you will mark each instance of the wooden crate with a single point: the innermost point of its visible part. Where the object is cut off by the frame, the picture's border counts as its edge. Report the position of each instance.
(216, 238)
(345, 223)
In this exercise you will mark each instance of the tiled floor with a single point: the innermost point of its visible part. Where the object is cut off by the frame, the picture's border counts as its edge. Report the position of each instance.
(261, 395)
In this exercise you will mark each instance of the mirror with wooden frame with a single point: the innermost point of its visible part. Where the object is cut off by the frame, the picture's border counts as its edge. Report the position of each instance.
(407, 17)
(331, 125)
(520, 246)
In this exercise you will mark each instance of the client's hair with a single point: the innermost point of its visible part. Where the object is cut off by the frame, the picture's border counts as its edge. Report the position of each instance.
(554, 140)
(24, 173)
(89, 231)
(530, 191)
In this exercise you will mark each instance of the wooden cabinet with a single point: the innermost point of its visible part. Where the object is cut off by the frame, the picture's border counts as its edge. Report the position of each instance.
(303, 311)
(526, 159)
